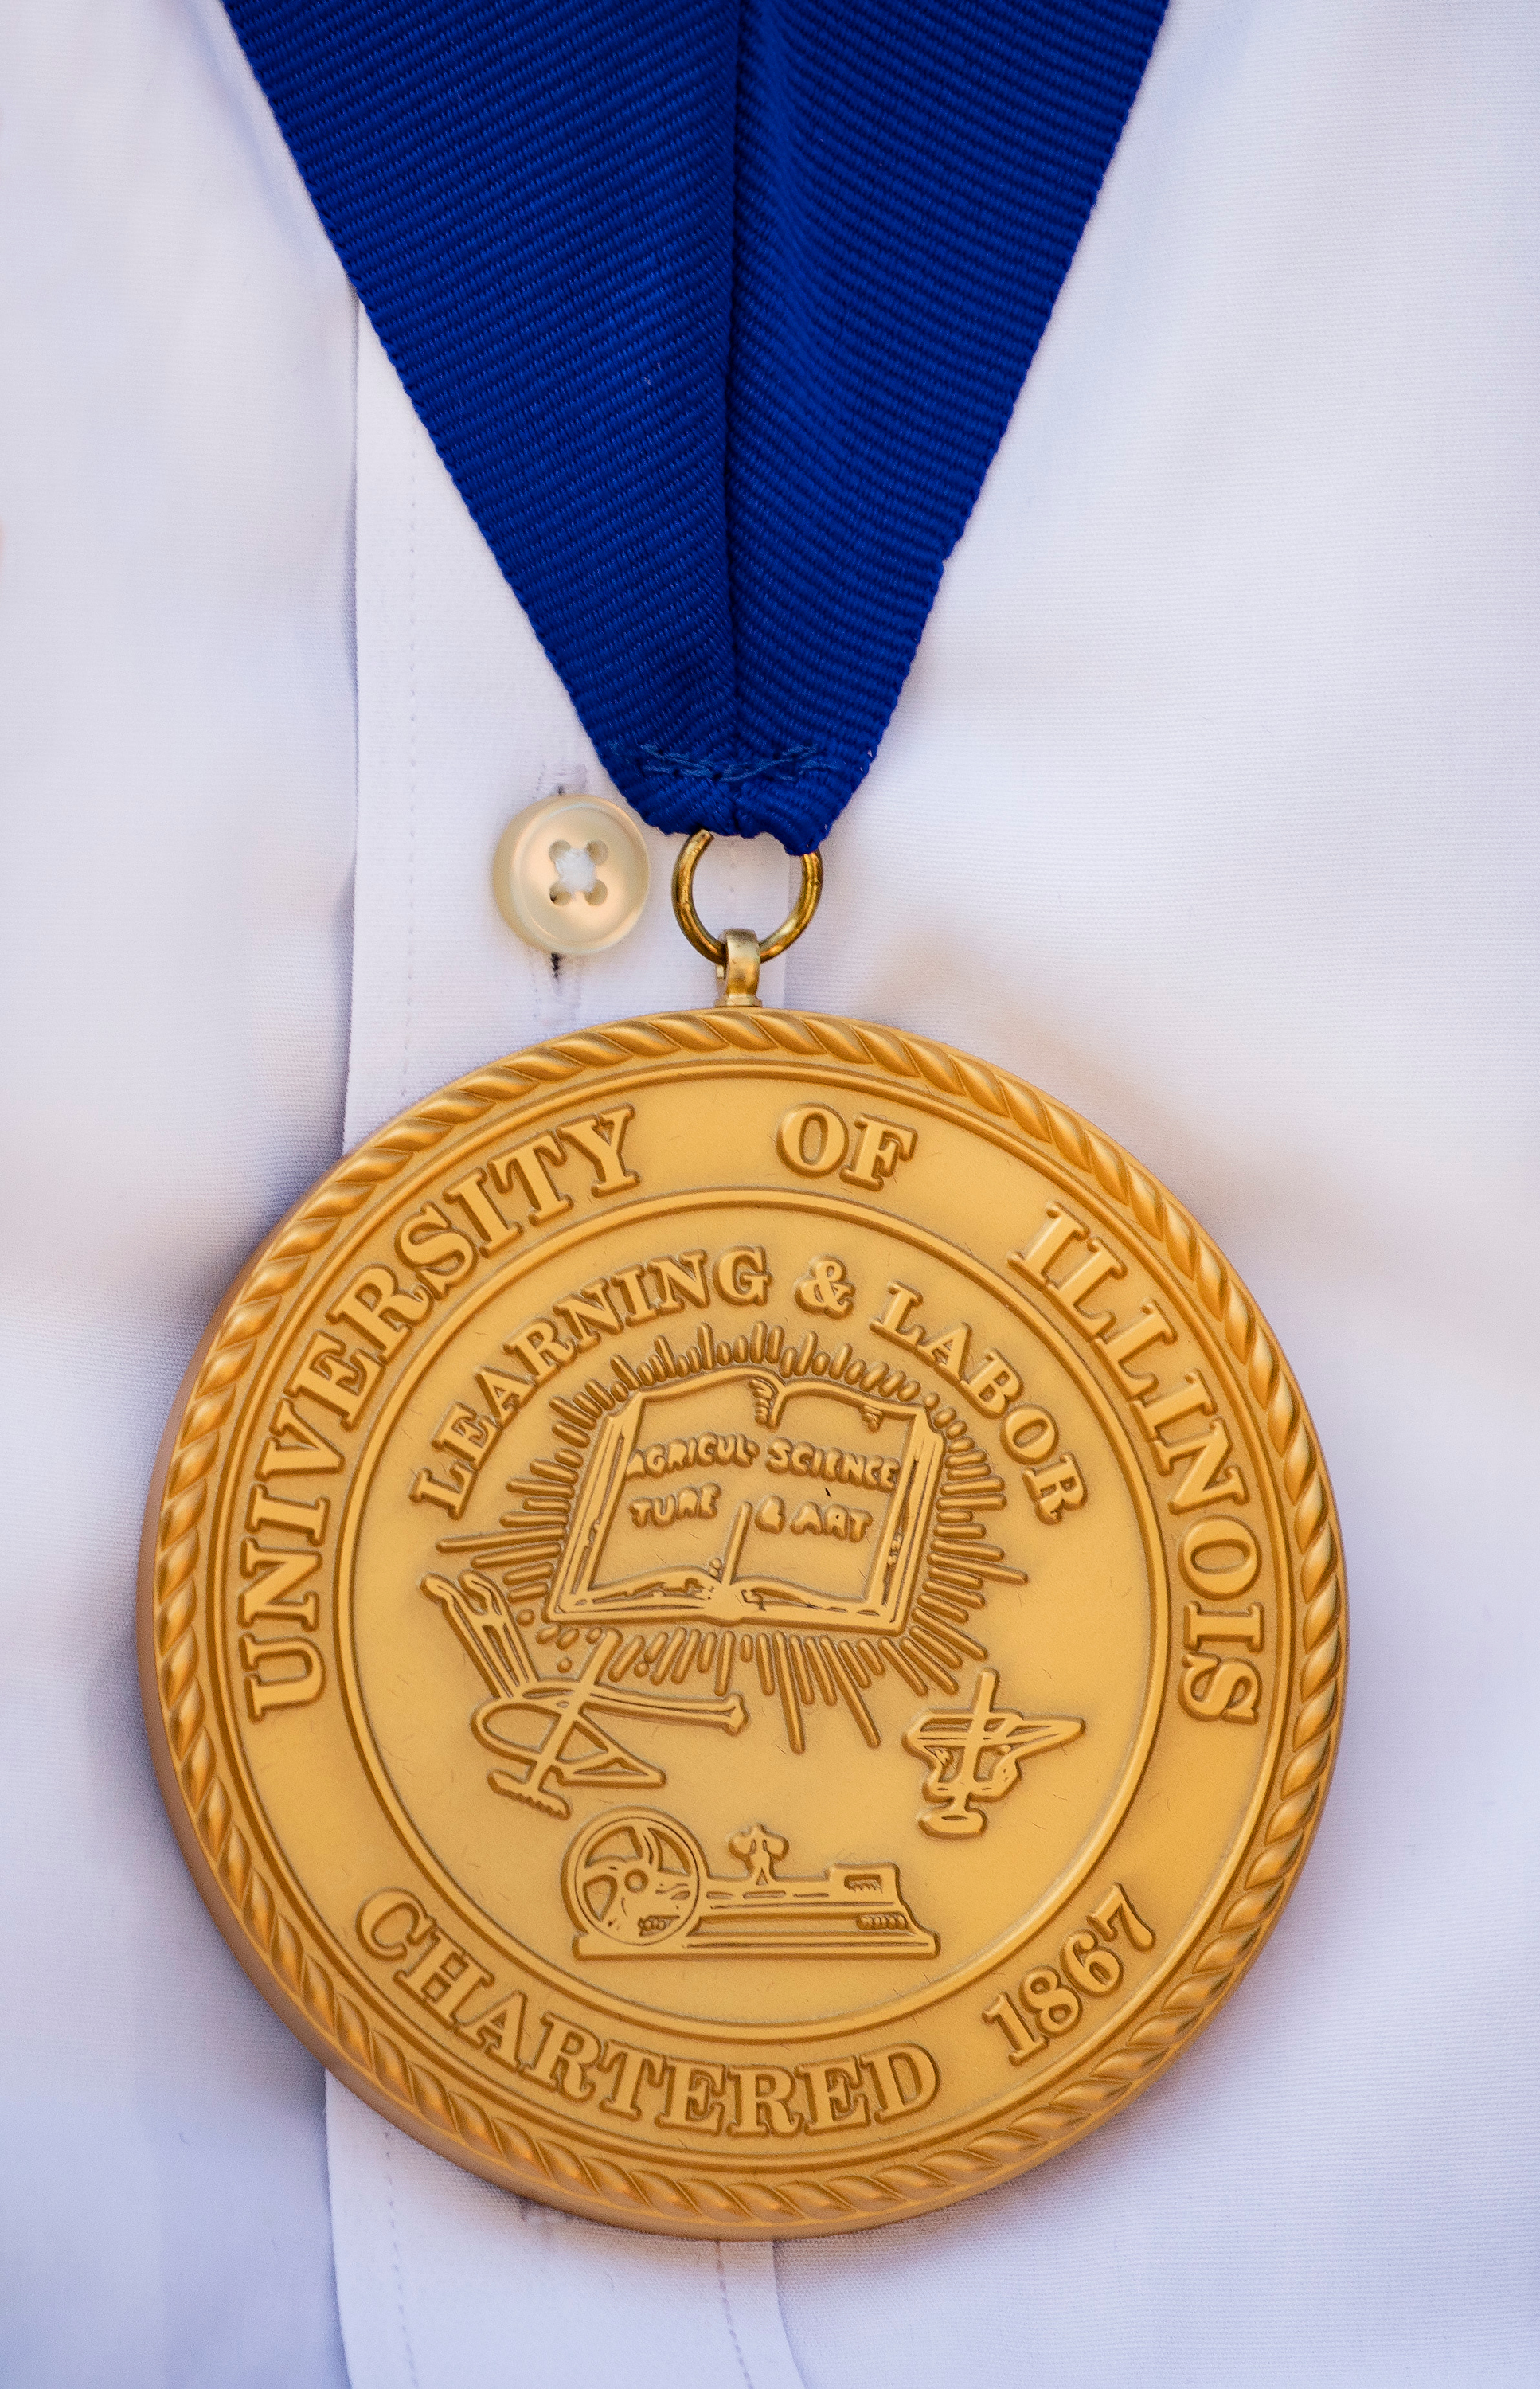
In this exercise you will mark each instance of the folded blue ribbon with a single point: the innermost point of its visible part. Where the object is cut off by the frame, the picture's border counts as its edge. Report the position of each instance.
(716, 314)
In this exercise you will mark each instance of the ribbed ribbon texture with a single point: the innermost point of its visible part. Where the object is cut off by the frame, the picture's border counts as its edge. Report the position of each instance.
(716, 314)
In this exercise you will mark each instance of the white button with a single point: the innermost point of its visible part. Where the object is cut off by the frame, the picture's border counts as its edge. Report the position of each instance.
(570, 874)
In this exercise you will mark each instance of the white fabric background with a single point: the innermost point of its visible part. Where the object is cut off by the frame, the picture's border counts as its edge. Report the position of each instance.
(176, 773)
(1209, 805)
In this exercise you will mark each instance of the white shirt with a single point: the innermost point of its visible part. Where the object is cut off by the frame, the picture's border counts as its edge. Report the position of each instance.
(1209, 806)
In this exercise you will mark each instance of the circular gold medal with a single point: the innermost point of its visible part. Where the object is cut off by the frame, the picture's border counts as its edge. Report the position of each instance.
(741, 1624)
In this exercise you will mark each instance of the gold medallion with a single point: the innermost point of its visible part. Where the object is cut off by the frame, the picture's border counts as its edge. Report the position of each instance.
(741, 1624)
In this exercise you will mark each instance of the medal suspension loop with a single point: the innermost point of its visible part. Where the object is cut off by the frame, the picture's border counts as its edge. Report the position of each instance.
(738, 953)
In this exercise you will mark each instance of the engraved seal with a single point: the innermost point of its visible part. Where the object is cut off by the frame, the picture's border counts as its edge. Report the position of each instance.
(741, 1624)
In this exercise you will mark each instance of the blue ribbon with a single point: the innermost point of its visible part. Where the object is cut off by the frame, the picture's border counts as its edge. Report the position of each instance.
(716, 310)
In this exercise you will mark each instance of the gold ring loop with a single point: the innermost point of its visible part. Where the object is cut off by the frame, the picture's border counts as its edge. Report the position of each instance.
(715, 949)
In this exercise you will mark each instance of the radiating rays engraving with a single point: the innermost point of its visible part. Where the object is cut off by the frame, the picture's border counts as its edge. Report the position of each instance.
(805, 1522)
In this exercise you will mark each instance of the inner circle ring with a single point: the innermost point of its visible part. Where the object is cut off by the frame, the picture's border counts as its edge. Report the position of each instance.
(835, 1209)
